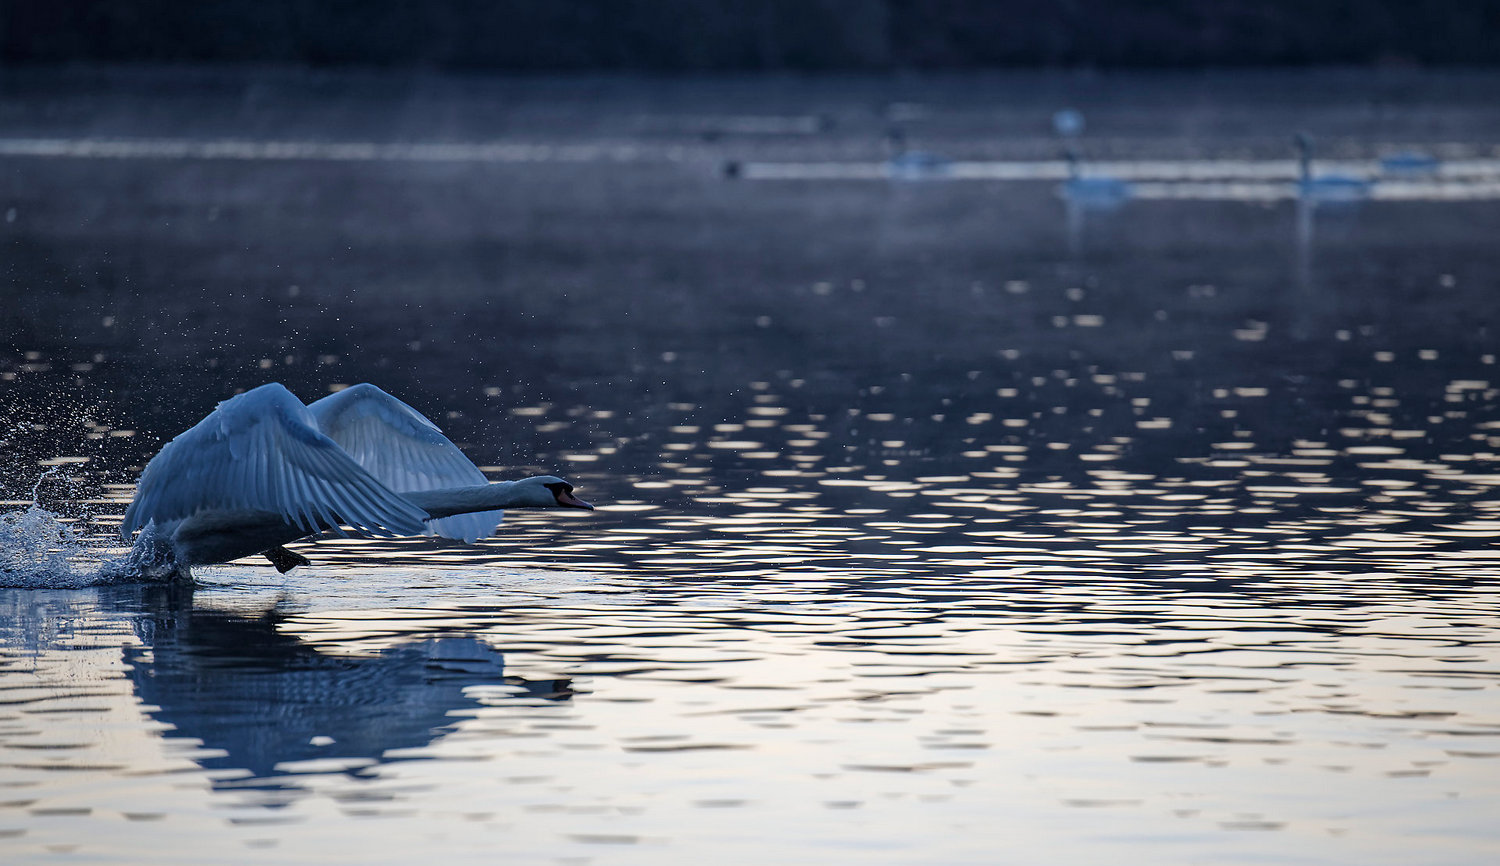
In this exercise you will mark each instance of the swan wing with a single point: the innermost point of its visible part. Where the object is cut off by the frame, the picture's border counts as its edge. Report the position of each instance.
(405, 451)
(261, 451)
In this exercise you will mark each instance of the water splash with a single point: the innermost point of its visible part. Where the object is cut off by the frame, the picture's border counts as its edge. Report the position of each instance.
(41, 550)
(37, 550)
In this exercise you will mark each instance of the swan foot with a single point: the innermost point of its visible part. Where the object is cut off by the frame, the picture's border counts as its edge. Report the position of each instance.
(284, 559)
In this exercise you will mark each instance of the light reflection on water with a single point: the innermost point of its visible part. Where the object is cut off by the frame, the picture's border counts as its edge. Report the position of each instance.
(563, 712)
(925, 536)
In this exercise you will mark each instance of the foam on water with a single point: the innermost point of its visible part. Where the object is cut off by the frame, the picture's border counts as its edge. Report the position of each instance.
(40, 550)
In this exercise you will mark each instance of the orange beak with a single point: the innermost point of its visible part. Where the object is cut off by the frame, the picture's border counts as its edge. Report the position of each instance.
(568, 500)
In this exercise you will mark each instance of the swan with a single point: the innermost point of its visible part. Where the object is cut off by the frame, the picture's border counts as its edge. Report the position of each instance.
(1410, 163)
(264, 470)
(907, 164)
(1092, 191)
(1326, 188)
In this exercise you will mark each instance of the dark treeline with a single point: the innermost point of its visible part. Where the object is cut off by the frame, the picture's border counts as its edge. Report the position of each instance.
(753, 34)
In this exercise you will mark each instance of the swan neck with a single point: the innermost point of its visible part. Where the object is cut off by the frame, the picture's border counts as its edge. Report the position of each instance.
(450, 501)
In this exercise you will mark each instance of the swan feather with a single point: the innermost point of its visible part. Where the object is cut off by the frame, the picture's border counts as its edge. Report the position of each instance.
(403, 450)
(262, 451)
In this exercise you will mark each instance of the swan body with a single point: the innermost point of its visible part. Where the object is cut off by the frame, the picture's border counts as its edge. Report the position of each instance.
(1328, 188)
(1092, 191)
(1410, 163)
(263, 470)
(918, 165)
(907, 164)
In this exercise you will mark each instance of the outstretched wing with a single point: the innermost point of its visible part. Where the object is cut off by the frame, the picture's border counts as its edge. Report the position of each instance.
(398, 445)
(261, 451)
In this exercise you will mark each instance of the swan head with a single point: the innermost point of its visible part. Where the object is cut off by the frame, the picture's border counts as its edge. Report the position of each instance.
(546, 491)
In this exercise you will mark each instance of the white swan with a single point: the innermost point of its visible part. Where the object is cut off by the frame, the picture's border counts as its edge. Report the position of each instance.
(263, 470)
(1092, 191)
(907, 164)
(1328, 188)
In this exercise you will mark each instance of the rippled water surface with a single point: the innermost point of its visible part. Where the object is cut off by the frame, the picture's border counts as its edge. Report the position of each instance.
(940, 522)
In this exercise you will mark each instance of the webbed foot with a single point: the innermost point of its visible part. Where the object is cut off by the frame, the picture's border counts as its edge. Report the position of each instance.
(284, 559)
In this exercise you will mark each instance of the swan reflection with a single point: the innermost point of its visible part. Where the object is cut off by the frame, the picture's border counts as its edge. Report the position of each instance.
(261, 700)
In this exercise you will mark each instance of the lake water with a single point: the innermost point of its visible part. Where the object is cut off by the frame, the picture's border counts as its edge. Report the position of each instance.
(940, 520)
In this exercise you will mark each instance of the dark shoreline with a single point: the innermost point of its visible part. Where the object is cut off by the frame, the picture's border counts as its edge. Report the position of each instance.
(761, 35)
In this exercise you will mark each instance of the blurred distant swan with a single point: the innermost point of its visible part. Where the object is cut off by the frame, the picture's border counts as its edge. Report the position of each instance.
(907, 164)
(1410, 163)
(263, 470)
(1328, 188)
(1092, 191)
